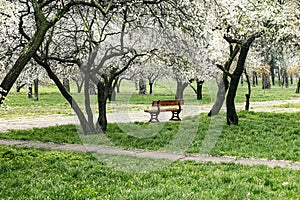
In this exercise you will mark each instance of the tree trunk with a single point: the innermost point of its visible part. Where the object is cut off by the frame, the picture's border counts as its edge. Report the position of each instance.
(29, 94)
(298, 86)
(83, 122)
(118, 85)
(242, 80)
(79, 85)
(232, 117)
(223, 84)
(180, 89)
(253, 78)
(247, 106)
(222, 90)
(36, 89)
(136, 85)
(101, 125)
(87, 100)
(24, 57)
(150, 87)
(199, 89)
(286, 79)
(292, 82)
(273, 75)
(279, 79)
(66, 84)
(266, 81)
(92, 88)
(142, 86)
(256, 79)
(112, 93)
(272, 69)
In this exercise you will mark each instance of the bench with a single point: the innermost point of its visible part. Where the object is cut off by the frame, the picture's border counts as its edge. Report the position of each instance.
(159, 106)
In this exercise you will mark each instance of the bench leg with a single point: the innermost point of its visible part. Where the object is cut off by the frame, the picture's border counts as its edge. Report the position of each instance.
(154, 117)
(175, 116)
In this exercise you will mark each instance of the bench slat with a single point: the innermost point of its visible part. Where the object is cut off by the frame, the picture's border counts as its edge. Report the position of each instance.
(168, 102)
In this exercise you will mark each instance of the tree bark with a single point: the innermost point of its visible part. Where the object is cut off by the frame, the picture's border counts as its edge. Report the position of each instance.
(36, 89)
(112, 93)
(272, 69)
(136, 85)
(87, 100)
(298, 86)
(247, 106)
(101, 125)
(222, 89)
(142, 86)
(292, 81)
(66, 84)
(83, 122)
(279, 79)
(79, 85)
(266, 81)
(232, 117)
(199, 89)
(242, 80)
(118, 85)
(180, 89)
(92, 88)
(286, 79)
(150, 87)
(253, 78)
(29, 94)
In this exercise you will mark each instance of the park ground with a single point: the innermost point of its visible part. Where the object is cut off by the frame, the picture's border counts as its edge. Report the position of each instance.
(259, 159)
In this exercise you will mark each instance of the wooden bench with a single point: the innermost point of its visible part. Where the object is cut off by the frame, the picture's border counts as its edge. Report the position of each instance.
(159, 106)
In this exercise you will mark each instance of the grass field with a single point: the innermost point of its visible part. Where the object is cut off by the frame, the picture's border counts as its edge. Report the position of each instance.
(42, 174)
(51, 101)
(260, 135)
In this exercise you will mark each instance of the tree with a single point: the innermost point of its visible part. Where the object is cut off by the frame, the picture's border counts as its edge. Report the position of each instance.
(242, 23)
(108, 46)
(41, 16)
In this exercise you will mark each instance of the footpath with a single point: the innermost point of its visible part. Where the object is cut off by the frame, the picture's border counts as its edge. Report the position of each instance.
(152, 154)
(131, 116)
(126, 115)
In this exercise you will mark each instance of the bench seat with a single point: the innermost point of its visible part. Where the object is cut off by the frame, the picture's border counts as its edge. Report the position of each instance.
(159, 106)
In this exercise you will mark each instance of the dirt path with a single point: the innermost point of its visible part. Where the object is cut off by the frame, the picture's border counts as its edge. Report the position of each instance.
(153, 154)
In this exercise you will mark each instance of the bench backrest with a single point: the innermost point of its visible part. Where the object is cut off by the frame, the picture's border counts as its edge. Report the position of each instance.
(168, 102)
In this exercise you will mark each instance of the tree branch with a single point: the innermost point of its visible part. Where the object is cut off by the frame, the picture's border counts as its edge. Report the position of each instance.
(224, 70)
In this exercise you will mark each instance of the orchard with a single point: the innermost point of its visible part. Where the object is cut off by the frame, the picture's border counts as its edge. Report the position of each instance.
(99, 43)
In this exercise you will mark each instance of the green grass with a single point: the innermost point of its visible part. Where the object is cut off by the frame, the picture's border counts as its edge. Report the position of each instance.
(57, 134)
(260, 135)
(51, 101)
(42, 174)
(288, 105)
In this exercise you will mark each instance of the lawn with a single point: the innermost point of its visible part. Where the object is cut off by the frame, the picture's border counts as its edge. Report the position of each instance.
(51, 101)
(43, 174)
(259, 135)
